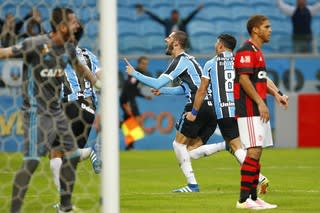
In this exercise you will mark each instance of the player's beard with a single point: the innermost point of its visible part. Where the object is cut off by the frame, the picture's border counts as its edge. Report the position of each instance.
(169, 49)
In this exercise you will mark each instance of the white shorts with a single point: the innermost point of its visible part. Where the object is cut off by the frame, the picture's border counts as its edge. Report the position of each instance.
(253, 132)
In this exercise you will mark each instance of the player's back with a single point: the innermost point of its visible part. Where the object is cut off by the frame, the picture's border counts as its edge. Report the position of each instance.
(220, 71)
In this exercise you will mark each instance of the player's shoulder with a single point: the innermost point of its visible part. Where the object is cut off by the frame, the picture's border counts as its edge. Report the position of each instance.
(246, 47)
(211, 62)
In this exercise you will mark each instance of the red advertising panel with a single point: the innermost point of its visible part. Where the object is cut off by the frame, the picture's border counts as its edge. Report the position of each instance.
(308, 120)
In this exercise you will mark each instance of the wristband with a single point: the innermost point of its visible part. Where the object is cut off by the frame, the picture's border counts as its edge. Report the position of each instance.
(194, 112)
(280, 93)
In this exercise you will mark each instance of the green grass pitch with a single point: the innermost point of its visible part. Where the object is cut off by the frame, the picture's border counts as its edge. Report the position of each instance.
(147, 178)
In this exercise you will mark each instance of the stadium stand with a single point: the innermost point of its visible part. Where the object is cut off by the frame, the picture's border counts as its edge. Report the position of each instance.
(216, 17)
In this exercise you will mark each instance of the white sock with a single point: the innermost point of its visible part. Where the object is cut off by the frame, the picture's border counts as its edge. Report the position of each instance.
(55, 165)
(84, 153)
(206, 150)
(240, 154)
(184, 160)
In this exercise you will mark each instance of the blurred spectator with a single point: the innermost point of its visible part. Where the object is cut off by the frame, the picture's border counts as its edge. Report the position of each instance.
(33, 24)
(173, 23)
(129, 93)
(9, 30)
(301, 17)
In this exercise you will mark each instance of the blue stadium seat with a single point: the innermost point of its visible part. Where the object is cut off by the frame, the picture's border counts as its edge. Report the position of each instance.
(215, 13)
(9, 8)
(85, 15)
(92, 30)
(44, 11)
(231, 3)
(254, 3)
(24, 9)
(203, 43)
(126, 28)
(132, 45)
(242, 12)
(280, 27)
(198, 27)
(125, 13)
(156, 43)
(79, 3)
(208, 3)
(149, 27)
(92, 3)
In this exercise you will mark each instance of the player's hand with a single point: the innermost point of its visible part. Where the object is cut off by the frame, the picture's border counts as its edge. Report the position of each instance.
(139, 8)
(282, 100)
(264, 112)
(129, 67)
(148, 97)
(155, 92)
(190, 117)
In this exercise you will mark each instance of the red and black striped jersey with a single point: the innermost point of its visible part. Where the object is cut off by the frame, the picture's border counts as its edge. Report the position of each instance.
(249, 60)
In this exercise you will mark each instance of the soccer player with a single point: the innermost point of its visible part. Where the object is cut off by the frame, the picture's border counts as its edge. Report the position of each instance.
(250, 93)
(45, 57)
(218, 75)
(79, 102)
(187, 69)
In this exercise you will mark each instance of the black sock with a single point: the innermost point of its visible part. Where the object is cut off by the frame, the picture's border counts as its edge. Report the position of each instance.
(67, 179)
(21, 182)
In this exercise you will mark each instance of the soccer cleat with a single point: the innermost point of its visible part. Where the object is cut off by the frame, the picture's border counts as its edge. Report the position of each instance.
(262, 186)
(96, 163)
(264, 204)
(249, 204)
(188, 188)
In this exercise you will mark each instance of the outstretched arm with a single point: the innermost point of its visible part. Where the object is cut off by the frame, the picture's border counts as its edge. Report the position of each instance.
(179, 90)
(286, 8)
(192, 14)
(156, 83)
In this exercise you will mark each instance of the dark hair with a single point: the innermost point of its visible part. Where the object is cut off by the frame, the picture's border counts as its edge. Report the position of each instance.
(182, 38)
(78, 35)
(228, 41)
(59, 15)
(141, 58)
(255, 21)
(174, 11)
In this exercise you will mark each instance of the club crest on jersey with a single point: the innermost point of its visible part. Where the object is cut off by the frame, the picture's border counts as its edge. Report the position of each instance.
(52, 73)
(245, 59)
(262, 74)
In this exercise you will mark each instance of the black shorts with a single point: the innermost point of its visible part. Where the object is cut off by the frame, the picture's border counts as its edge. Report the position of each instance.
(228, 128)
(81, 113)
(204, 125)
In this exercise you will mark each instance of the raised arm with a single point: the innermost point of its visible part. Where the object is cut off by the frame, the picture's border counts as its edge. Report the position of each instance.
(156, 83)
(192, 14)
(286, 8)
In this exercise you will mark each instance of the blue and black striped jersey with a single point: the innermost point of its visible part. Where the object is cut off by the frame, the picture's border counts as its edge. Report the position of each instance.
(220, 71)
